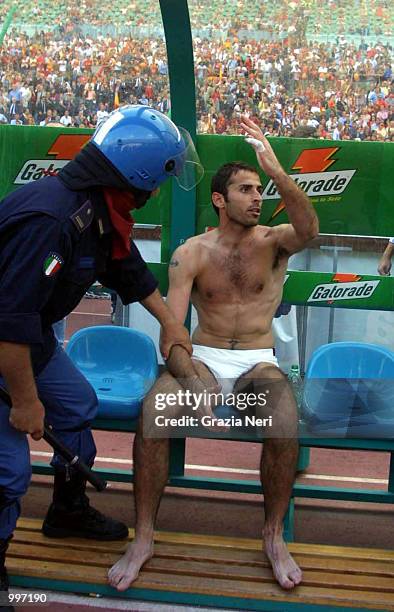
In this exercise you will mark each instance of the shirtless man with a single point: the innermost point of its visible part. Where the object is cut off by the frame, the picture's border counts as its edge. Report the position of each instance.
(234, 277)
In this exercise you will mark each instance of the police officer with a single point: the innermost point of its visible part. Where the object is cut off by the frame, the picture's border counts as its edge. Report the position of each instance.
(57, 236)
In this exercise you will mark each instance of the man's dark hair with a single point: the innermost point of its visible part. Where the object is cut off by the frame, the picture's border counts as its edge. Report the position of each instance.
(221, 180)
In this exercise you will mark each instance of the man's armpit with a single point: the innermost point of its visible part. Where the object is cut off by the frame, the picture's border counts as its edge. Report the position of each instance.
(281, 253)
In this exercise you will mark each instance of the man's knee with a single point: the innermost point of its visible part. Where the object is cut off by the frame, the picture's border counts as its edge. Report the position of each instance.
(74, 412)
(83, 408)
(268, 373)
(156, 400)
(161, 403)
(268, 380)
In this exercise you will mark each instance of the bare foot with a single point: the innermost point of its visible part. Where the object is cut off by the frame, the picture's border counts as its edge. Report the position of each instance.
(286, 570)
(126, 570)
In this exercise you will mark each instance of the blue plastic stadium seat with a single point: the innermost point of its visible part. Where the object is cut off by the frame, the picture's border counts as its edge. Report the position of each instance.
(121, 365)
(349, 391)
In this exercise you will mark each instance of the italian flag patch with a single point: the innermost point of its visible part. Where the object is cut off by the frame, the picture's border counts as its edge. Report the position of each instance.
(52, 264)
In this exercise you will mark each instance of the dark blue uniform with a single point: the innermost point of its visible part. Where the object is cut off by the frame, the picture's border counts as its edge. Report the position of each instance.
(54, 243)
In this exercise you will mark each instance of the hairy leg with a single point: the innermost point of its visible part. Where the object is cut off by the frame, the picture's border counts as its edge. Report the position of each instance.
(151, 461)
(278, 465)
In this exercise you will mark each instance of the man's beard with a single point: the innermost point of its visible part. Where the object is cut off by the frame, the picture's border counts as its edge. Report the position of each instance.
(244, 222)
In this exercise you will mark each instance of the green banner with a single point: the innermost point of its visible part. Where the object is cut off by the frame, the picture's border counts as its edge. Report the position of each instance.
(351, 184)
(339, 290)
(27, 153)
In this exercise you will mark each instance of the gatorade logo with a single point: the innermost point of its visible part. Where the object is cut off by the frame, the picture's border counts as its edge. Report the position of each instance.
(343, 291)
(315, 183)
(64, 148)
(35, 169)
(313, 176)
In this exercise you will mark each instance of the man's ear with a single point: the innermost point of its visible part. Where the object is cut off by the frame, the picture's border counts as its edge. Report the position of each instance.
(218, 199)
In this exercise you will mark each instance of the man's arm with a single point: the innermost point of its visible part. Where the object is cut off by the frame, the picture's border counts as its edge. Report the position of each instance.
(304, 222)
(181, 273)
(26, 288)
(172, 330)
(27, 412)
(183, 269)
(384, 266)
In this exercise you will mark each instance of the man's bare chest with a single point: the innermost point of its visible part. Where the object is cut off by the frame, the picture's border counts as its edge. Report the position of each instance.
(236, 275)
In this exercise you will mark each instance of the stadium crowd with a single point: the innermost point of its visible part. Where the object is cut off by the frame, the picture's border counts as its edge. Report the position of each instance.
(339, 90)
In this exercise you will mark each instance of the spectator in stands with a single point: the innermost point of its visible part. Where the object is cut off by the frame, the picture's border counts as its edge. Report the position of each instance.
(16, 119)
(49, 118)
(15, 108)
(63, 69)
(102, 113)
(65, 119)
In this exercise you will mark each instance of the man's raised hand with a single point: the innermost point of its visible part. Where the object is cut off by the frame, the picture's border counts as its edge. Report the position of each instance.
(266, 157)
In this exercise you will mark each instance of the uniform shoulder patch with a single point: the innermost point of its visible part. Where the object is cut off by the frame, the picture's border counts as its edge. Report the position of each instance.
(83, 217)
(52, 264)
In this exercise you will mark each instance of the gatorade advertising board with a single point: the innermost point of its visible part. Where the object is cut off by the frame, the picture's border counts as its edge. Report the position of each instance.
(351, 184)
(339, 290)
(28, 153)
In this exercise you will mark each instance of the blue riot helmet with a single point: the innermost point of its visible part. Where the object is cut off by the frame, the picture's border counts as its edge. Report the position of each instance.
(146, 147)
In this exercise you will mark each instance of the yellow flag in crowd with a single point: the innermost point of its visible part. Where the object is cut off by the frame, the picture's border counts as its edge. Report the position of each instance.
(116, 99)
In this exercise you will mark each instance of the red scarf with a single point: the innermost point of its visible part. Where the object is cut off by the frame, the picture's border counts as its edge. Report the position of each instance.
(120, 203)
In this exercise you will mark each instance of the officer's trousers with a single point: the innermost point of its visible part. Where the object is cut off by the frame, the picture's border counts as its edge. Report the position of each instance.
(70, 405)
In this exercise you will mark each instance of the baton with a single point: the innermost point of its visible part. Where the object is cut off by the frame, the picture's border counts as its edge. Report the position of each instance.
(64, 451)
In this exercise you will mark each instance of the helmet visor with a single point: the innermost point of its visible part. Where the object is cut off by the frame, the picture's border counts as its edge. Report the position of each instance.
(188, 169)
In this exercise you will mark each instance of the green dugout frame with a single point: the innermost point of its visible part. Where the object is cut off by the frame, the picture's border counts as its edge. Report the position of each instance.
(352, 193)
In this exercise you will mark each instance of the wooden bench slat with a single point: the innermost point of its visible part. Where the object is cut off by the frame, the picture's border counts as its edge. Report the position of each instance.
(273, 592)
(260, 574)
(29, 537)
(258, 559)
(347, 552)
(61, 554)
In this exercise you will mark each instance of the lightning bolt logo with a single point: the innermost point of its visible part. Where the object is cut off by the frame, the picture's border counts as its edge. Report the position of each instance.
(66, 146)
(344, 278)
(310, 160)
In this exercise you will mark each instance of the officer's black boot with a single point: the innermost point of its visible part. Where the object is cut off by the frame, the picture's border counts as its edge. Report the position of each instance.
(4, 584)
(70, 513)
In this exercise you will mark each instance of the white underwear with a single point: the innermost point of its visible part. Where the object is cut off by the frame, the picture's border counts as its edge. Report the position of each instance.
(228, 365)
